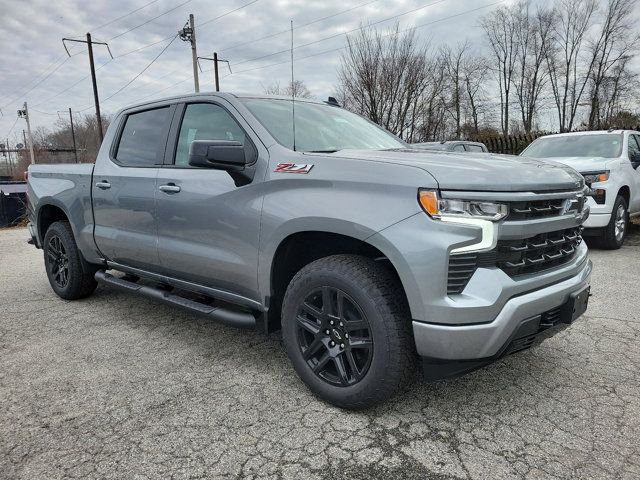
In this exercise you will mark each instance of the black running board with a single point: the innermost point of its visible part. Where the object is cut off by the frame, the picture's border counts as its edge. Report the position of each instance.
(223, 315)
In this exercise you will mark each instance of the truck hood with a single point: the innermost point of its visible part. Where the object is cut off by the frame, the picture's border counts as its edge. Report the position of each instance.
(583, 164)
(478, 171)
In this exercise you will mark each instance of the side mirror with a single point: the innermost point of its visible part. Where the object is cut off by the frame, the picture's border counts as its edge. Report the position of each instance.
(217, 154)
(237, 159)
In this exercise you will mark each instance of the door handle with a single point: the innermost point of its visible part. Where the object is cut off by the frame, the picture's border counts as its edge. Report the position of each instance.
(103, 185)
(170, 188)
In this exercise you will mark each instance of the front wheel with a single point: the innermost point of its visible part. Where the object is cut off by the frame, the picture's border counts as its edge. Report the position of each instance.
(615, 232)
(347, 331)
(70, 276)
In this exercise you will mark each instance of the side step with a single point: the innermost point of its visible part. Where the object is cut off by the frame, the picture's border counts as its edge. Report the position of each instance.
(223, 315)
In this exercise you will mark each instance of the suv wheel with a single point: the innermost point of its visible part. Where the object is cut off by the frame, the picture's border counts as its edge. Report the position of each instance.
(70, 276)
(347, 331)
(614, 233)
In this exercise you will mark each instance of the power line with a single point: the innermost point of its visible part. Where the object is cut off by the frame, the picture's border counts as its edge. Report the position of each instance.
(171, 36)
(227, 13)
(37, 83)
(123, 16)
(149, 21)
(330, 50)
(12, 127)
(324, 52)
(342, 33)
(71, 86)
(138, 75)
(237, 45)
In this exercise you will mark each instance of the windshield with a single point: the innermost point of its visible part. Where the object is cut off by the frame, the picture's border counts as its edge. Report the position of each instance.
(607, 145)
(319, 128)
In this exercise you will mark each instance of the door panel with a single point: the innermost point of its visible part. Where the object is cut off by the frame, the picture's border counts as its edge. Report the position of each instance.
(208, 230)
(124, 190)
(125, 225)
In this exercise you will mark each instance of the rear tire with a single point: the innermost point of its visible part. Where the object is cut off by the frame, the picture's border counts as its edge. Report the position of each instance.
(369, 353)
(615, 232)
(70, 276)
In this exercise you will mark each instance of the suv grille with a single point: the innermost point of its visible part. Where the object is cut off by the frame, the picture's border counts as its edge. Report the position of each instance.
(516, 257)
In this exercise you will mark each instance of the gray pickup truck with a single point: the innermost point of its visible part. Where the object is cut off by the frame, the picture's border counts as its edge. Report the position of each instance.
(366, 254)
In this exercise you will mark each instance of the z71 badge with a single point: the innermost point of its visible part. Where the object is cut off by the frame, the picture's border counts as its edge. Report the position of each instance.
(294, 167)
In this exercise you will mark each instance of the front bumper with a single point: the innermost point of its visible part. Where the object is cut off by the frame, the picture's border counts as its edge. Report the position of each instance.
(486, 341)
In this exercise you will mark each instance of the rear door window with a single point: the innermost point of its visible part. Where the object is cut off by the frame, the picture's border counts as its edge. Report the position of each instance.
(143, 138)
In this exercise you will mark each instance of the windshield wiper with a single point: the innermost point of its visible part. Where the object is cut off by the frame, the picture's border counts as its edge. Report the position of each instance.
(322, 151)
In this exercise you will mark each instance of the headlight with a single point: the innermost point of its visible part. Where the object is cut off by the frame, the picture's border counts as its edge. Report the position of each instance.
(438, 207)
(595, 177)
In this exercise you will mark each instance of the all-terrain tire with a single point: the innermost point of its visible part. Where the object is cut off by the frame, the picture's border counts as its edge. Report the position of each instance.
(61, 254)
(373, 289)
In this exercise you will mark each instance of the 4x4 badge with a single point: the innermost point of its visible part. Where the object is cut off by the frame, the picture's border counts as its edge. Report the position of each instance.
(294, 167)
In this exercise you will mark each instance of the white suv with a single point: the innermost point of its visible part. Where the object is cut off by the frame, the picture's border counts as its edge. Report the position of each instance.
(608, 160)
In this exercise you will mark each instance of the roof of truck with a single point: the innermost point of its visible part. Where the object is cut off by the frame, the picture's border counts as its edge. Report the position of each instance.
(589, 132)
(226, 95)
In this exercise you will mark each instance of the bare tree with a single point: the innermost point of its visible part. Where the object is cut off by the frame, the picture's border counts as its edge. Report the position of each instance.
(474, 74)
(430, 111)
(611, 49)
(533, 33)
(454, 61)
(567, 79)
(615, 95)
(499, 27)
(297, 88)
(383, 76)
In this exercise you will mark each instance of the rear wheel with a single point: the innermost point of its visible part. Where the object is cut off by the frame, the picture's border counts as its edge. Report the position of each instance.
(70, 276)
(615, 232)
(347, 331)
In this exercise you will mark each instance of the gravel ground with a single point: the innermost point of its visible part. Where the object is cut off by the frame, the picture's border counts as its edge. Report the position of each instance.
(116, 386)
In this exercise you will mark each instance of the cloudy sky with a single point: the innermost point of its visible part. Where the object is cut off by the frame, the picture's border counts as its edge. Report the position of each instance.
(36, 68)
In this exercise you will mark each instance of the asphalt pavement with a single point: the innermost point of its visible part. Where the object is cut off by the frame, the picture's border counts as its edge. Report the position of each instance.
(118, 386)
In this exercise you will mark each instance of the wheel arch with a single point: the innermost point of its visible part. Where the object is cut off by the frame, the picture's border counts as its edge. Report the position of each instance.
(625, 192)
(48, 213)
(303, 247)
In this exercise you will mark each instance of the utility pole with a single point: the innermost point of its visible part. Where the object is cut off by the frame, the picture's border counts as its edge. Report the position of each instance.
(90, 44)
(9, 158)
(24, 113)
(215, 60)
(188, 34)
(73, 136)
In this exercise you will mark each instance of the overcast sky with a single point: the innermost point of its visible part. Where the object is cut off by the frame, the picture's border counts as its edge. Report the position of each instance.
(31, 47)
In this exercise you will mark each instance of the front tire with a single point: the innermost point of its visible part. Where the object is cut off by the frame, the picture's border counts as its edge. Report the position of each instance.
(70, 276)
(347, 331)
(615, 232)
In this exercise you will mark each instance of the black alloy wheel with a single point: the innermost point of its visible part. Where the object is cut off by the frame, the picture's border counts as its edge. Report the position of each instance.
(346, 327)
(58, 261)
(334, 336)
(70, 276)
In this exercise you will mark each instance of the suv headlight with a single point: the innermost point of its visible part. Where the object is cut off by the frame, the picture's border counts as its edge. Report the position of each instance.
(438, 207)
(595, 177)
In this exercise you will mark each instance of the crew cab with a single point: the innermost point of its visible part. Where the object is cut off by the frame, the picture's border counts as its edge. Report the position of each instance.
(608, 160)
(365, 254)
